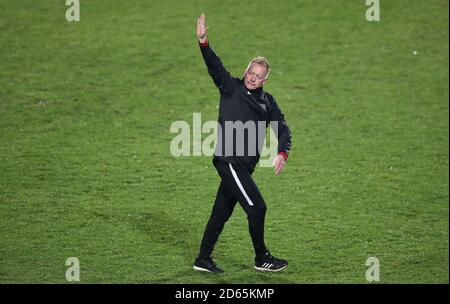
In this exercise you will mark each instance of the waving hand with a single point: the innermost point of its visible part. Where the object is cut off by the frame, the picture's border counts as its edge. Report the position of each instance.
(201, 28)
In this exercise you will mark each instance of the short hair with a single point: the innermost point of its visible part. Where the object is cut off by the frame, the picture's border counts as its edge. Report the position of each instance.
(262, 61)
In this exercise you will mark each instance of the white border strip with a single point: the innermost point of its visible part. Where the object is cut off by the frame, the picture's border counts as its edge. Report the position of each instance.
(238, 182)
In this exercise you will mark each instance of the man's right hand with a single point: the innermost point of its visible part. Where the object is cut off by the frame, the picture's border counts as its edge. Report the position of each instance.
(201, 28)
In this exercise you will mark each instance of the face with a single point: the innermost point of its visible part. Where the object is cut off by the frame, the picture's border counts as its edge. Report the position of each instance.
(255, 76)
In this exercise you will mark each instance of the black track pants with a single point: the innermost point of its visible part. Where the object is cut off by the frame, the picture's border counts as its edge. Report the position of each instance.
(236, 185)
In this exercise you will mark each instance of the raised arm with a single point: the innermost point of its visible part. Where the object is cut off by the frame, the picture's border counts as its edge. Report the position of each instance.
(221, 77)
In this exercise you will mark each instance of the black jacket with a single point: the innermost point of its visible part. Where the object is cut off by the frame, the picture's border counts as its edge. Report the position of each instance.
(239, 107)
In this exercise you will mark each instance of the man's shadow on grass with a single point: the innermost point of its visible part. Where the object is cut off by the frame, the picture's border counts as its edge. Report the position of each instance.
(183, 236)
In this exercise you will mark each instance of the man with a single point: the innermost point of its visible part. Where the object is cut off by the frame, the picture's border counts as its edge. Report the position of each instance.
(243, 102)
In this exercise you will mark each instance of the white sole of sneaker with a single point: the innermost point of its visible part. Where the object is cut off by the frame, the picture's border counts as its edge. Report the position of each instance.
(201, 269)
(270, 270)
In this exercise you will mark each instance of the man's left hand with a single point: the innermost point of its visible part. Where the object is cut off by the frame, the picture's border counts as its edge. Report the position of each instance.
(279, 162)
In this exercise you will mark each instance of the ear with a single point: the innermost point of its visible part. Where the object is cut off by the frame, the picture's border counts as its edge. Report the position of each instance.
(246, 70)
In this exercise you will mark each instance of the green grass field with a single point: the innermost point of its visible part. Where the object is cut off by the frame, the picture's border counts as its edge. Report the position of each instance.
(86, 169)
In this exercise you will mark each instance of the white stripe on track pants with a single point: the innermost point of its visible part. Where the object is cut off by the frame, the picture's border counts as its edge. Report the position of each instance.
(236, 185)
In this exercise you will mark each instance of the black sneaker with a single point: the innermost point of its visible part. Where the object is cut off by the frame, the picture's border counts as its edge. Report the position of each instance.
(207, 265)
(267, 262)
